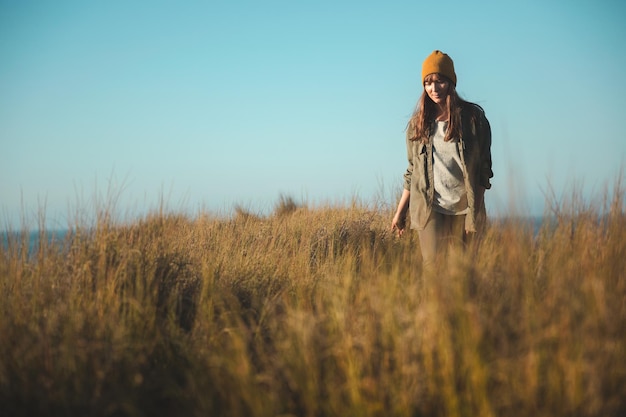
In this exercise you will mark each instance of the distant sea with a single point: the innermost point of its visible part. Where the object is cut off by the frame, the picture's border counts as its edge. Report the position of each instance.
(52, 236)
(536, 222)
(58, 236)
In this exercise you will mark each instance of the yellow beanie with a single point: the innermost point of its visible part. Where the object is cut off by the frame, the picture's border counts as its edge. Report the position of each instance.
(440, 63)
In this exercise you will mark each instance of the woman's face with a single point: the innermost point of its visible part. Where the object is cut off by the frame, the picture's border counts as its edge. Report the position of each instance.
(437, 88)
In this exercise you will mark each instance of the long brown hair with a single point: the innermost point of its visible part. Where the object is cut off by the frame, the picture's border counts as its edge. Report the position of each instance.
(421, 123)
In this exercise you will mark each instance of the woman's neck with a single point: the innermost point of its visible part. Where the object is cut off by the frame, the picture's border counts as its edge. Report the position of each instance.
(442, 113)
(442, 117)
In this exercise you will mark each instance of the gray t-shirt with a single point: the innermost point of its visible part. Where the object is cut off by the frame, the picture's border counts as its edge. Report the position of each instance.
(450, 193)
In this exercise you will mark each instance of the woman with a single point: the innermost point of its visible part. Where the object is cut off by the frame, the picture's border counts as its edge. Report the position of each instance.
(448, 144)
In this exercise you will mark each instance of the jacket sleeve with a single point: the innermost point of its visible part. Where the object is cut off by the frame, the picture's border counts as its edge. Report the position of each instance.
(484, 136)
(410, 135)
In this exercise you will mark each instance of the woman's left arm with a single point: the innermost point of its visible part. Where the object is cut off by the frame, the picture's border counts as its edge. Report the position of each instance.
(484, 136)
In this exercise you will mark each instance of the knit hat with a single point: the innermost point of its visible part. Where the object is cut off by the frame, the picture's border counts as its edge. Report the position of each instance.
(440, 63)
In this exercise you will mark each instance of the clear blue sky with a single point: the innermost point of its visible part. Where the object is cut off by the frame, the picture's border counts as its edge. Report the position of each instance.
(215, 103)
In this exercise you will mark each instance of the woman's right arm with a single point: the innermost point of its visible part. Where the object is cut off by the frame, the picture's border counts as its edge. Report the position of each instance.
(398, 223)
(399, 219)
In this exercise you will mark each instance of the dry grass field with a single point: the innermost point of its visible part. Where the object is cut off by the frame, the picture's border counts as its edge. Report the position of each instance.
(315, 312)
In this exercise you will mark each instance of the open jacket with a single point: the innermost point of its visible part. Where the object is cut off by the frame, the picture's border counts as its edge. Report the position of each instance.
(475, 151)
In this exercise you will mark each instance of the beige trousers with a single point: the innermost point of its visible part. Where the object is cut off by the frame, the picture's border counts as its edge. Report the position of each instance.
(441, 232)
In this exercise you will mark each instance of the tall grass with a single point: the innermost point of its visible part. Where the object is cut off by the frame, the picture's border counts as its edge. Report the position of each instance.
(316, 312)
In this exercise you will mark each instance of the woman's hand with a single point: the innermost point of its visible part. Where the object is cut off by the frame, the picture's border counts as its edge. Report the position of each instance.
(398, 224)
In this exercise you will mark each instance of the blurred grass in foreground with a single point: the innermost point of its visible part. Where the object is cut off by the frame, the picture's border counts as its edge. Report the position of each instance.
(315, 312)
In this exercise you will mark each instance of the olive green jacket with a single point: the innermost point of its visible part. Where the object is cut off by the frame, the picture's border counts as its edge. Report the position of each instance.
(475, 151)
